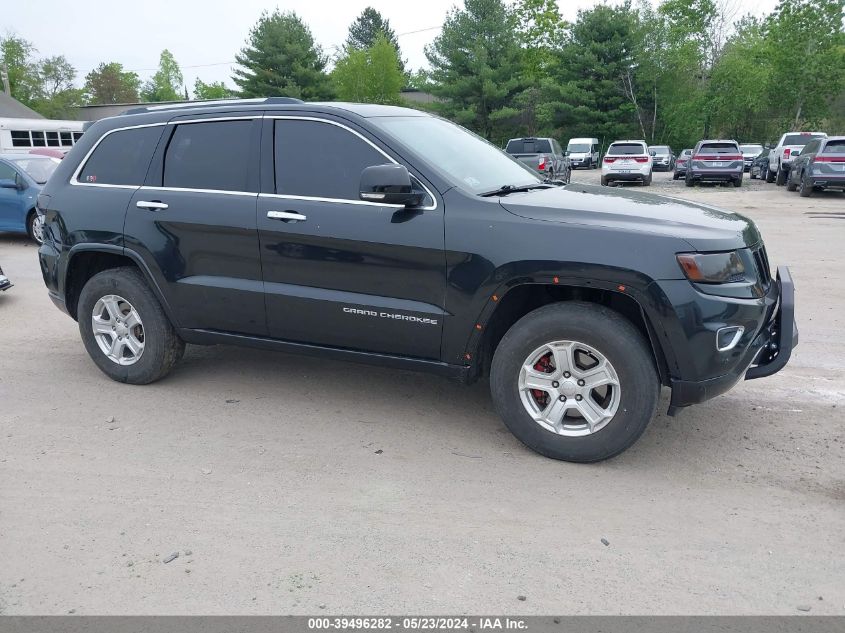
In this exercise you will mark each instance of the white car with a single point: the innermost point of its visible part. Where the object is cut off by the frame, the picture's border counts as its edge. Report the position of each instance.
(627, 161)
(781, 156)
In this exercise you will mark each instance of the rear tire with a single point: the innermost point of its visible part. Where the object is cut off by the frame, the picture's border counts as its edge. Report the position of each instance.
(688, 181)
(675, 176)
(647, 181)
(790, 184)
(161, 346)
(604, 181)
(629, 359)
(770, 176)
(805, 189)
(780, 177)
(738, 182)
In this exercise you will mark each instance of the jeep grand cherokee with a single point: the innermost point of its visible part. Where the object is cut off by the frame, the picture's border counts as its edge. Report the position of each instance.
(386, 235)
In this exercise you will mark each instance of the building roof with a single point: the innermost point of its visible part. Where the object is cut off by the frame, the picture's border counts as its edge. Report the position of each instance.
(12, 108)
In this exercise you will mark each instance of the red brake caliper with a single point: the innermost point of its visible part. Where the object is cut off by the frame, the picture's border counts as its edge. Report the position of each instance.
(543, 365)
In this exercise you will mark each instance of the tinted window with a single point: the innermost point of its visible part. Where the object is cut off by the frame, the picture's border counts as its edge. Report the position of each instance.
(799, 140)
(20, 138)
(751, 150)
(7, 172)
(214, 155)
(834, 147)
(122, 158)
(623, 149)
(718, 148)
(578, 148)
(77, 136)
(53, 139)
(529, 146)
(661, 150)
(321, 160)
(38, 139)
(66, 138)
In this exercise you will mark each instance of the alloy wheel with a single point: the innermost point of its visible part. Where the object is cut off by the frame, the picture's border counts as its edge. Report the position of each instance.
(118, 330)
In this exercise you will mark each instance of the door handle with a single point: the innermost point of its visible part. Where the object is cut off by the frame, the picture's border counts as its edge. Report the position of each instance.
(286, 216)
(155, 205)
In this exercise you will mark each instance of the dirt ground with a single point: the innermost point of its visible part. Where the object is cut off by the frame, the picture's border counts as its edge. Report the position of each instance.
(292, 485)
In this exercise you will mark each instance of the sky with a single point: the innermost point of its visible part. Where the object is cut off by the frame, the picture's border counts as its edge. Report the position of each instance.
(205, 35)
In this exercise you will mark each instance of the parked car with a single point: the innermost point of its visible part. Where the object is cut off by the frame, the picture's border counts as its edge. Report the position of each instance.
(627, 161)
(543, 155)
(715, 161)
(416, 245)
(584, 152)
(820, 166)
(781, 155)
(760, 165)
(749, 152)
(681, 164)
(664, 157)
(21, 178)
(5, 284)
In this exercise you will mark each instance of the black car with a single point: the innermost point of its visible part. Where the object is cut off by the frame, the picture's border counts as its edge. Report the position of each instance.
(412, 244)
(5, 284)
(715, 161)
(820, 166)
(760, 165)
(681, 164)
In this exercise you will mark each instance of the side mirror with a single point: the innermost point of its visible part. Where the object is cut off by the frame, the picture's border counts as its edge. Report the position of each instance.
(389, 184)
(8, 183)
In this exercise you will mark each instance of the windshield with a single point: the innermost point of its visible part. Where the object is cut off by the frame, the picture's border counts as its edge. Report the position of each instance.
(753, 150)
(39, 169)
(529, 146)
(578, 147)
(660, 151)
(458, 155)
(800, 140)
(625, 149)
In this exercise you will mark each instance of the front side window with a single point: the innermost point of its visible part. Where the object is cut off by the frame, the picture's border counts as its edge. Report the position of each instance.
(318, 159)
(213, 155)
(122, 157)
(7, 172)
(20, 138)
(456, 154)
(626, 149)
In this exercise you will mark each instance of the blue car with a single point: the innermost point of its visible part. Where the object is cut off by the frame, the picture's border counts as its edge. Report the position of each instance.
(21, 178)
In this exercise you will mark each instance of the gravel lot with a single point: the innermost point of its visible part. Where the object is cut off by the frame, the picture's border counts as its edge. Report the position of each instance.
(292, 485)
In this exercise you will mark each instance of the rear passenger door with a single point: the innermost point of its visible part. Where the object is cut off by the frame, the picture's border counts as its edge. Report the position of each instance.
(193, 222)
(339, 271)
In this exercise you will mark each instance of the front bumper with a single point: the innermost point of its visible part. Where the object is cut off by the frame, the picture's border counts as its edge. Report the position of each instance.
(5, 284)
(767, 354)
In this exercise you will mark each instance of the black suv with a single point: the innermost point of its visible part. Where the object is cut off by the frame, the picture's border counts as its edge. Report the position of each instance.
(386, 235)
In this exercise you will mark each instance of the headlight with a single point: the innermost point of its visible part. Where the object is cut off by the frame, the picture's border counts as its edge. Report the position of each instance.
(712, 268)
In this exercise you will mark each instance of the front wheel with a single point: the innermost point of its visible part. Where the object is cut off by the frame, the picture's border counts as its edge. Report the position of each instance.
(770, 175)
(780, 177)
(35, 227)
(124, 328)
(575, 381)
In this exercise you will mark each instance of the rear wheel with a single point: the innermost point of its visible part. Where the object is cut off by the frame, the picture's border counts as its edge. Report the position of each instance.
(675, 176)
(770, 175)
(738, 182)
(124, 328)
(688, 181)
(647, 180)
(780, 177)
(805, 189)
(604, 181)
(575, 381)
(791, 185)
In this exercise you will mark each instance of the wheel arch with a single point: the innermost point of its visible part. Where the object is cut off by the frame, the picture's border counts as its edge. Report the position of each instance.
(86, 260)
(517, 301)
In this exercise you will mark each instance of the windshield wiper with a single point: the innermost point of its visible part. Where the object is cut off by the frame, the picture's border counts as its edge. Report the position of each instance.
(506, 189)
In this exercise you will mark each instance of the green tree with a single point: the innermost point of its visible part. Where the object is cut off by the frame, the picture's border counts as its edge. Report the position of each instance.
(589, 100)
(282, 59)
(109, 83)
(365, 30)
(166, 84)
(475, 63)
(805, 47)
(214, 90)
(16, 56)
(370, 75)
(57, 95)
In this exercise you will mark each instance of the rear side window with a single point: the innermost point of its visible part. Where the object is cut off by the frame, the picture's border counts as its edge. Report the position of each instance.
(625, 149)
(834, 147)
(529, 146)
(321, 160)
(718, 148)
(213, 155)
(122, 157)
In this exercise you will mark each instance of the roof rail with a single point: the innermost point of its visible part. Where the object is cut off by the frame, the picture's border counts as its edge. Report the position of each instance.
(213, 104)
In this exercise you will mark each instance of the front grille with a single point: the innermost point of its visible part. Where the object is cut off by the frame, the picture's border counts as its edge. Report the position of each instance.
(761, 259)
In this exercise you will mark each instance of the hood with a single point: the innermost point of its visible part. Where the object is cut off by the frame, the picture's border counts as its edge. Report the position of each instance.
(703, 227)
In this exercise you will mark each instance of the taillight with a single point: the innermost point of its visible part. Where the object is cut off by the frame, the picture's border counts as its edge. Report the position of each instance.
(541, 163)
(787, 152)
(641, 159)
(609, 159)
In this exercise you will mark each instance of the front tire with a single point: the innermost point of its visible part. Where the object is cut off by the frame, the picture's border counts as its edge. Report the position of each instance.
(124, 328)
(35, 227)
(543, 376)
(780, 177)
(770, 176)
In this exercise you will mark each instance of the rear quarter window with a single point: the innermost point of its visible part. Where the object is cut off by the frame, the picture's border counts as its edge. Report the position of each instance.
(121, 157)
